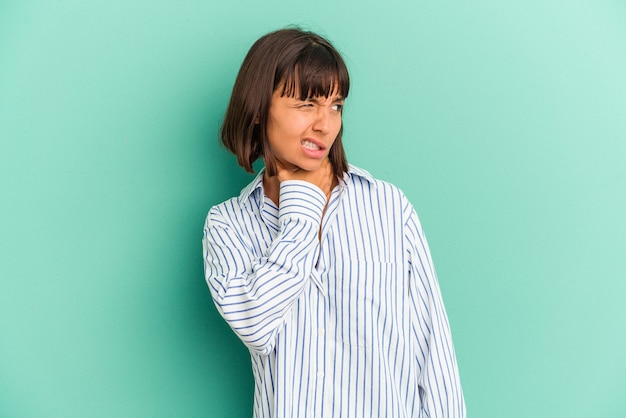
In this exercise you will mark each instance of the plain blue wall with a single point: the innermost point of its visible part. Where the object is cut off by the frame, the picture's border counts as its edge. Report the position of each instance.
(504, 123)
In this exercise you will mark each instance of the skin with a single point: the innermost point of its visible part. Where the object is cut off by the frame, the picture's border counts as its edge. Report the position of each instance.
(300, 134)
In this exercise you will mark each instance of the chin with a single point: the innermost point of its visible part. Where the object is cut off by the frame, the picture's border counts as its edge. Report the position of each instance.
(310, 165)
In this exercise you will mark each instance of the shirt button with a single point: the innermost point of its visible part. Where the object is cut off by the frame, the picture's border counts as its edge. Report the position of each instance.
(322, 331)
(320, 374)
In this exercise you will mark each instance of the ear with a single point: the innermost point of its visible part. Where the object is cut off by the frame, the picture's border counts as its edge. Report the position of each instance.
(256, 120)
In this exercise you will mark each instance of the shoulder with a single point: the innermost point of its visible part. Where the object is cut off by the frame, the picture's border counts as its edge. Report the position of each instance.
(225, 213)
(238, 209)
(379, 198)
(361, 181)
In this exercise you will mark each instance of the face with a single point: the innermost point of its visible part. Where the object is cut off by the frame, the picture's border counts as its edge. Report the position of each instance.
(301, 132)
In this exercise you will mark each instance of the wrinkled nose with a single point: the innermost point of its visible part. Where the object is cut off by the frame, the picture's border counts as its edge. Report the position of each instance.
(321, 121)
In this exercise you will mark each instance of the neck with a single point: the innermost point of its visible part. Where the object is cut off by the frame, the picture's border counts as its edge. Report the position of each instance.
(271, 185)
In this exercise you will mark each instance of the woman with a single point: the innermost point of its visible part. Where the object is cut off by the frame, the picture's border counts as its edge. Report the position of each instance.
(322, 271)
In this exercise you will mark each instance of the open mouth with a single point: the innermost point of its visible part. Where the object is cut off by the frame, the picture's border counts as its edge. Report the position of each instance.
(310, 145)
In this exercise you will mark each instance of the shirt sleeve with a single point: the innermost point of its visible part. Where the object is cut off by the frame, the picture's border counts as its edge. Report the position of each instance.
(440, 389)
(254, 294)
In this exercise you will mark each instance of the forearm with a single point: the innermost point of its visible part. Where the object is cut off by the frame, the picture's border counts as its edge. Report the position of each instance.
(254, 294)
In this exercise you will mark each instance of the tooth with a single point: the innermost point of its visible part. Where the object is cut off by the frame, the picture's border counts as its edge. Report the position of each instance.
(310, 145)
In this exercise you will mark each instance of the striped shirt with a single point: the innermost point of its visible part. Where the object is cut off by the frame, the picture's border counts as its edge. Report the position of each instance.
(342, 321)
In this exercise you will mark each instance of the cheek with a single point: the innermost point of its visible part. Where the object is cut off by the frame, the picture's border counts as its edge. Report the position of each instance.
(337, 127)
(286, 127)
(281, 137)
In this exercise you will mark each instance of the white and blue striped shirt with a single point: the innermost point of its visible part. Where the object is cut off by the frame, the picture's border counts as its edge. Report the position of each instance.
(349, 323)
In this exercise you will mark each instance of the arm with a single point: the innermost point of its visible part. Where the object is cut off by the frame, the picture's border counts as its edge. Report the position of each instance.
(440, 387)
(255, 294)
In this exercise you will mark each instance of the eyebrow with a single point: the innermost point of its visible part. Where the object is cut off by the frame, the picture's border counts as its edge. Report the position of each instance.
(317, 100)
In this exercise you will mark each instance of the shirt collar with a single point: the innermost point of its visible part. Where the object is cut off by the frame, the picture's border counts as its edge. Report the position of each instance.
(257, 183)
(247, 191)
(358, 172)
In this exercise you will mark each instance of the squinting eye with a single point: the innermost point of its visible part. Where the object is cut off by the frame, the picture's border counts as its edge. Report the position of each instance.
(338, 107)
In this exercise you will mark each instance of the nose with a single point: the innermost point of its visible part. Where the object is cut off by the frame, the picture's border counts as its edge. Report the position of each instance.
(321, 122)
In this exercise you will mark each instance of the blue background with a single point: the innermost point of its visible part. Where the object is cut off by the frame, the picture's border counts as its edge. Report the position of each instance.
(504, 123)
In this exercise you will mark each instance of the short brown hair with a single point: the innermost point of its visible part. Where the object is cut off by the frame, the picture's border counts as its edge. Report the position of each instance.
(301, 63)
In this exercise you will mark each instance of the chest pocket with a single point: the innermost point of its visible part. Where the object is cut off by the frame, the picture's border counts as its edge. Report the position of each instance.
(369, 302)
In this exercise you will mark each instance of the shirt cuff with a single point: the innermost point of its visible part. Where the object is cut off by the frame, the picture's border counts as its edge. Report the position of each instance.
(301, 199)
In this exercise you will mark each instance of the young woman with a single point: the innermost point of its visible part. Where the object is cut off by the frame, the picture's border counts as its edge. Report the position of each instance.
(321, 270)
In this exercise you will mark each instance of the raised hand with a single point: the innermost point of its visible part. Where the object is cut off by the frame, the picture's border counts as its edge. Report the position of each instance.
(322, 177)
